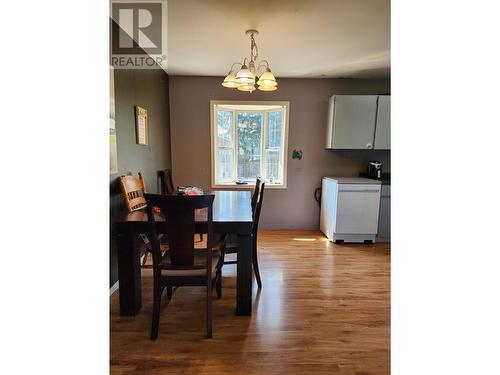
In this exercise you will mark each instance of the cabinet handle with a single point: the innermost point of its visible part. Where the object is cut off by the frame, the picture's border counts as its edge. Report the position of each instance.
(369, 145)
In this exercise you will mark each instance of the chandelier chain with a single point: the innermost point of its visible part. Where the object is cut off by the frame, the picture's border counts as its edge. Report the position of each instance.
(254, 52)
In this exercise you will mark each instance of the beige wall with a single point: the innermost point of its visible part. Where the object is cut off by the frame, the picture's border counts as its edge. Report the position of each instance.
(293, 207)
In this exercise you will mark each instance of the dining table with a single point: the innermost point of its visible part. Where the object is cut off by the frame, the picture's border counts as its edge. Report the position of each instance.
(232, 214)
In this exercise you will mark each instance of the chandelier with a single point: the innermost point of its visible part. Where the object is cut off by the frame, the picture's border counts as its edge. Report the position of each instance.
(245, 79)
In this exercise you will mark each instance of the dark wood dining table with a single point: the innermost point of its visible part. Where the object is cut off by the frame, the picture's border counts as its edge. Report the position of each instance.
(232, 213)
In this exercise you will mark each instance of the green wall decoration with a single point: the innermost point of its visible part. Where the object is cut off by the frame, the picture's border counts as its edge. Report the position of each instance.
(297, 154)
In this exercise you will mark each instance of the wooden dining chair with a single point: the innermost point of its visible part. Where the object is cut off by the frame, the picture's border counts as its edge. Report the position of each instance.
(232, 248)
(166, 183)
(183, 264)
(255, 194)
(133, 189)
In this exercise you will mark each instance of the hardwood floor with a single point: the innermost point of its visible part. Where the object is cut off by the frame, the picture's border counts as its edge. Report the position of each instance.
(323, 309)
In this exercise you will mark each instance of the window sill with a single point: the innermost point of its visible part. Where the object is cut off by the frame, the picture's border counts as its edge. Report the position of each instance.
(249, 186)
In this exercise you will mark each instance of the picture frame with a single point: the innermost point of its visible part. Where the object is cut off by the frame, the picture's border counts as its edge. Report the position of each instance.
(141, 125)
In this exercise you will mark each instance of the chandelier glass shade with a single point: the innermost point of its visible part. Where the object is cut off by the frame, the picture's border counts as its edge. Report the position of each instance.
(248, 87)
(246, 77)
(268, 88)
(230, 80)
(267, 79)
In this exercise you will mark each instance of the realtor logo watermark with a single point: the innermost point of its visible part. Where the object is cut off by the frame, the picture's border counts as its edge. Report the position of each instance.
(138, 34)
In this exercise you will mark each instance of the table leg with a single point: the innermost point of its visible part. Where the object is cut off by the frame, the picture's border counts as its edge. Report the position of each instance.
(244, 278)
(129, 275)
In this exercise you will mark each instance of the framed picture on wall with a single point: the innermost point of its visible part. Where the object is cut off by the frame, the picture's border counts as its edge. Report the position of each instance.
(141, 125)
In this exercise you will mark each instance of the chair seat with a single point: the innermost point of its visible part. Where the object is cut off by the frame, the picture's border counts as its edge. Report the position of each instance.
(200, 259)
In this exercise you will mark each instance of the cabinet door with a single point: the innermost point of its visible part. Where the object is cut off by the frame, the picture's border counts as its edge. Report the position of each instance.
(383, 127)
(384, 222)
(358, 209)
(354, 121)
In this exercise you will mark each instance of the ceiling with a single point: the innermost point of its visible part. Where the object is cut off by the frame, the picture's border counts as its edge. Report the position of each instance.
(300, 38)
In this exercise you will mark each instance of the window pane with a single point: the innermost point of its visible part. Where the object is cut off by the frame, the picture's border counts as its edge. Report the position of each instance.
(273, 166)
(225, 167)
(275, 123)
(224, 129)
(249, 144)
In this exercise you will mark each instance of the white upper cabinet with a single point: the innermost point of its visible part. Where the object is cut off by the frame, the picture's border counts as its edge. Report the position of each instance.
(352, 121)
(383, 127)
(357, 122)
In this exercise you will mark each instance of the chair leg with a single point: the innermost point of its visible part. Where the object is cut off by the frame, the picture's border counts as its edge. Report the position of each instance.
(169, 292)
(209, 310)
(201, 237)
(156, 312)
(256, 265)
(218, 285)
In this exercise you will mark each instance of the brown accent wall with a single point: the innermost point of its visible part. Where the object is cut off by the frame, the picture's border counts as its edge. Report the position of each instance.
(293, 207)
(148, 89)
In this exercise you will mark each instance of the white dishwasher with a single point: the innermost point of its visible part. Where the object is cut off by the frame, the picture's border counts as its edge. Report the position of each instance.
(350, 208)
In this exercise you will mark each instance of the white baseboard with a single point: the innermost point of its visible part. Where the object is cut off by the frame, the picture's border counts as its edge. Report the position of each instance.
(114, 288)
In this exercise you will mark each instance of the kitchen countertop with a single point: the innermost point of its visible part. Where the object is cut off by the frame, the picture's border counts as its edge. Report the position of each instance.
(386, 178)
(354, 180)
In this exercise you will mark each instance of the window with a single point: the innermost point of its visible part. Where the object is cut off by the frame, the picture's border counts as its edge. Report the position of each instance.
(249, 140)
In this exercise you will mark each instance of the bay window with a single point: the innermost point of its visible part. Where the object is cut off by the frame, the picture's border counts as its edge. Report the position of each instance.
(249, 140)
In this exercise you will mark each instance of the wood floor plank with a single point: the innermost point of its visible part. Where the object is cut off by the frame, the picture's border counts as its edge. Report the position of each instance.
(324, 309)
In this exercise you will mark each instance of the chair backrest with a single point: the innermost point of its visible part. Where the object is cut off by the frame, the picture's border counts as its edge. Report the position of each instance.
(166, 183)
(258, 207)
(255, 194)
(179, 213)
(141, 180)
(133, 189)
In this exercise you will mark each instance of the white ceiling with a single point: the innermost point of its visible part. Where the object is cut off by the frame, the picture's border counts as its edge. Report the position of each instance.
(300, 38)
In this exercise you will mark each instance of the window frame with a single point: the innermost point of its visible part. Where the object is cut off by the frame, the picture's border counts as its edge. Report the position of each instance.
(264, 135)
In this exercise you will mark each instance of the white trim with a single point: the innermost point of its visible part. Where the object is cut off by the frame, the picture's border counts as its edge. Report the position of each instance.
(213, 147)
(249, 102)
(234, 143)
(286, 124)
(114, 288)
(251, 107)
(263, 140)
(249, 186)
